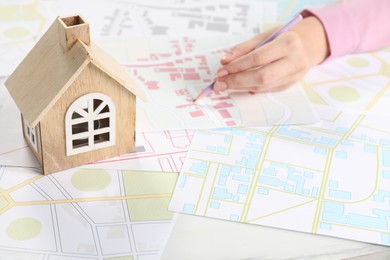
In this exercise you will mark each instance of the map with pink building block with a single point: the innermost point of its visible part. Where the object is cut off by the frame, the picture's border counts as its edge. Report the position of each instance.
(173, 71)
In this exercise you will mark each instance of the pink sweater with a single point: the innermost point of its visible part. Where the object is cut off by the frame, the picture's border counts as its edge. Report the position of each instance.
(355, 25)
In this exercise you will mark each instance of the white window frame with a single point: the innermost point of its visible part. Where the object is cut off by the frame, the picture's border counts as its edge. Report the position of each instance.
(31, 134)
(88, 115)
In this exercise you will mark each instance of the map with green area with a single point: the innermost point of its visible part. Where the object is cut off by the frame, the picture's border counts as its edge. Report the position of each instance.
(117, 215)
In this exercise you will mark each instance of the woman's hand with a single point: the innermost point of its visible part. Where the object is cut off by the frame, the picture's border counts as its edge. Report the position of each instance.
(276, 65)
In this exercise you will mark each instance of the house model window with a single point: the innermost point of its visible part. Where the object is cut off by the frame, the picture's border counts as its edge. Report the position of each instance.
(90, 124)
(31, 135)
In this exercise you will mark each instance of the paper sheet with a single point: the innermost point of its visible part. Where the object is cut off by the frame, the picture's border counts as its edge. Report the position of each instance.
(331, 178)
(21, 25)
(210, 239)
(171, 17)
(242, 17)
(298, 178)
(156, 151)
(84, 214)
(173, 71)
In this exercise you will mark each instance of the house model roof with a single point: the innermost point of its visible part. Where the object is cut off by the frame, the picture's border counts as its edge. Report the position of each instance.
(54, 63)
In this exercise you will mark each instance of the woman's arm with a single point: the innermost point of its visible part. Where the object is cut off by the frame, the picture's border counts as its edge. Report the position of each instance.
(347, 27)
(354, 26)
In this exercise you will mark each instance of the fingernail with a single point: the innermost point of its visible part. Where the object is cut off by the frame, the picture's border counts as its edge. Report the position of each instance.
(227, 55)
(224, 58)
(222, 73)
(220, 85)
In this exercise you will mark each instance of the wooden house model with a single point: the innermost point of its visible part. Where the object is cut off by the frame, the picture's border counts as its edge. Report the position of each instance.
(77, 103)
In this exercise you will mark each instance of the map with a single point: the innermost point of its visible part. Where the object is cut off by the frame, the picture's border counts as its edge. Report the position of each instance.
(156, 151)
(84, 214)
(21, 24)
(173, 17)
(119, 18)
(93, 212)
(330, 178)
(173, 71)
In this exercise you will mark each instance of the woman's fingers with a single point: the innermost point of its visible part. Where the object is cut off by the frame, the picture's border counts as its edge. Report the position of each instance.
(262, 79)
(260, 57)
(267, 66)
(244, 47)
(279, 85)
(280, 47)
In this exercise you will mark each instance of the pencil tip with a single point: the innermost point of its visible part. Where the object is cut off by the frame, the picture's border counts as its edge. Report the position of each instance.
(196, 98)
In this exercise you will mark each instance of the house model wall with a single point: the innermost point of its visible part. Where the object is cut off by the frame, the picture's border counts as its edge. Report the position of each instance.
(77, 103)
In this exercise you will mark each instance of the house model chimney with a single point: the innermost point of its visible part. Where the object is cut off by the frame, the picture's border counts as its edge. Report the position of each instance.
(71, 29)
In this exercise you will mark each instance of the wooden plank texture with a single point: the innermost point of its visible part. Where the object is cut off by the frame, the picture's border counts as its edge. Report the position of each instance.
(92, 79)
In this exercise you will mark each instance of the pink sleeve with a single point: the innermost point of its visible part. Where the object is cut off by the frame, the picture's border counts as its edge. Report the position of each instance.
(355, 25)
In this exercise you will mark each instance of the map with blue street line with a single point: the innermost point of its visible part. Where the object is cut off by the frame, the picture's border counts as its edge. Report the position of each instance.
(332, 178)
